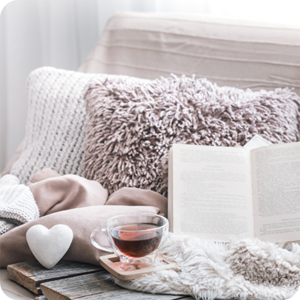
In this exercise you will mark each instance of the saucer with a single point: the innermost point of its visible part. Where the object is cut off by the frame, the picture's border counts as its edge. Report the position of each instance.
(124, 271)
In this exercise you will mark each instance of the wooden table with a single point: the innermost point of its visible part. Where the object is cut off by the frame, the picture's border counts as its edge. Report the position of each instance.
(70, 280)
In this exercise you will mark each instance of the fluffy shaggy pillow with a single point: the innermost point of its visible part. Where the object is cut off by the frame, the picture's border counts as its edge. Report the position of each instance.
(55, 129)
(129, 134)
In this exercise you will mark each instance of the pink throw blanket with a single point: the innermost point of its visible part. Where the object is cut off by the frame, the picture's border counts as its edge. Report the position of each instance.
(81, 204)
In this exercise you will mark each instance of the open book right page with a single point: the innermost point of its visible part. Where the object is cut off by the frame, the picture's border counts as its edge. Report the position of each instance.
(276, 192)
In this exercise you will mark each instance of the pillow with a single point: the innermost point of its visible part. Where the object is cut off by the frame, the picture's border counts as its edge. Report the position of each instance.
(55, 129)
(129, 134)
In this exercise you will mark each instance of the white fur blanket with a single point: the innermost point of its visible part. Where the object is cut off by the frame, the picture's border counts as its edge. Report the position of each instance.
(245, 269)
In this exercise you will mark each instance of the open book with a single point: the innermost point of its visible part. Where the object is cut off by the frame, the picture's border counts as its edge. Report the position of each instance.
(224, 192)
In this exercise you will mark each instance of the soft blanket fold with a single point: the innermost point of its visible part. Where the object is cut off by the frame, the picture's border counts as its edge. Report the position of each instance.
(71, 200)
(82, 221)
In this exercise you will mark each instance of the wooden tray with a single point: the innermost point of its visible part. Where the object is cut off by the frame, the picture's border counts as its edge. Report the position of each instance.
(112, 264)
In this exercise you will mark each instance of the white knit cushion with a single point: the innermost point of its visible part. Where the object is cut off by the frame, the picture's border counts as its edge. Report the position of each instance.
(55, 123)
(55, 129)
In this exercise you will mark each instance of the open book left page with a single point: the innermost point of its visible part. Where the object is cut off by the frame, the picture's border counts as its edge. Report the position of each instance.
(210, 192)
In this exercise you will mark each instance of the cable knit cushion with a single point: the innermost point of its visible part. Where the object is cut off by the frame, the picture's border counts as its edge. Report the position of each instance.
(129, 134)
(55, 124)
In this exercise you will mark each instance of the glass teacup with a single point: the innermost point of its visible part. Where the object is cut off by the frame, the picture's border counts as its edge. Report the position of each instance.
(134, 238)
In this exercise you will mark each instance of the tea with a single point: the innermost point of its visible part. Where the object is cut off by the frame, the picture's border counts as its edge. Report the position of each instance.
(134, 243)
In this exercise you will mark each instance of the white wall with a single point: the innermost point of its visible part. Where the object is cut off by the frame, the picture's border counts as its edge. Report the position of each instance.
(3, 109)
(35, 33)
(60, 33)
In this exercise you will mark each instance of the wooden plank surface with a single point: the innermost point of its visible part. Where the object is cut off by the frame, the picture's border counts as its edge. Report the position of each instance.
(132, 295)
(94, 286)
(31, 274)
(79, 286)
(69, 280)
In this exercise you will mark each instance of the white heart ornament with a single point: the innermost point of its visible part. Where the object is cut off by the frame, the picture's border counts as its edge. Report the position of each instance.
(49, 245)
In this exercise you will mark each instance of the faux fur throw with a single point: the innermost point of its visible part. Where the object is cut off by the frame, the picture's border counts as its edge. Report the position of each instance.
(248, 269)
(131, 126)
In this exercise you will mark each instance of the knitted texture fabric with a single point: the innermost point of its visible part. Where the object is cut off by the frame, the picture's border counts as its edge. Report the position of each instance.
(55, 123)
(130, 133)
(5, 226)
(55, 128)
(244, 269)
(17, 204)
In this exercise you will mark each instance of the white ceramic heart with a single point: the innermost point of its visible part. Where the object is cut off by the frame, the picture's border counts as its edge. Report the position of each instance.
(49, 245)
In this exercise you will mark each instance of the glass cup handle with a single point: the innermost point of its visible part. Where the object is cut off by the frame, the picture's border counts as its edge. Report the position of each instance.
(95, 244)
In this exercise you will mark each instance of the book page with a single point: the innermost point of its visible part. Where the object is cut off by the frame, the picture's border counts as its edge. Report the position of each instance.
(170, 189)
(212, 192)
(276, 192)
(256, 142)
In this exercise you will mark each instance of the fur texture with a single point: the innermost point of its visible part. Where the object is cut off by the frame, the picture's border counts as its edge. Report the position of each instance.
(131, 125)
(248, 269)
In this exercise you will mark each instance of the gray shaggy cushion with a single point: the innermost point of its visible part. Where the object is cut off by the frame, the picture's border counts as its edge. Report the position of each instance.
(131, 126)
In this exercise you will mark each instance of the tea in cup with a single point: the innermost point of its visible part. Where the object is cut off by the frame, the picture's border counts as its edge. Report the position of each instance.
(134, 237)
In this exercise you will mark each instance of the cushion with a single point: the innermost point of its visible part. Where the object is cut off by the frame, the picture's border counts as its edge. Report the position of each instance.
(129, 134)
(55, 124)
(55, 129)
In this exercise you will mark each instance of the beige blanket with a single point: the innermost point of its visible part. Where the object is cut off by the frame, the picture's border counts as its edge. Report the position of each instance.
(81, 204)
